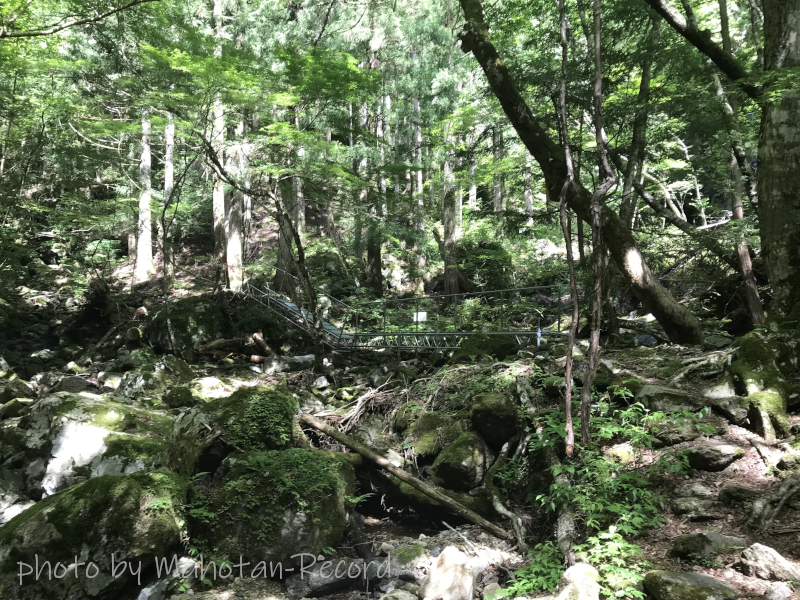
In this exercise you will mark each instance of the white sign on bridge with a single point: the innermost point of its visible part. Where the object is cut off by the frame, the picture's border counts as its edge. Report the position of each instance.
(420, 317)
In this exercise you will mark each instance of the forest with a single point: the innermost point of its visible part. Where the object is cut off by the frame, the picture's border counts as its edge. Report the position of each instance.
(403, 300)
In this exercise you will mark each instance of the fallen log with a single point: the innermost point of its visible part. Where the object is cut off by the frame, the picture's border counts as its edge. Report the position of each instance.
(402, 475)
(263, 349)
(230, 345)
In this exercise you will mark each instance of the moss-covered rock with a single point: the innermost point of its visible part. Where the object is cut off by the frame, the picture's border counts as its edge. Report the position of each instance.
(480, 344)
(211, 388)
(65, 438)
(176, 369)
(665, 399)
(405, 415)
(494, 416)
(462, 465)
(431, 432)
(179, 396)
(134, 518)
(256, 418)
(755, 368)
(671, 431)
(669, 585)
(705, 544)
(142, 358)
(407, 556)
(272, 505)
(193, 321)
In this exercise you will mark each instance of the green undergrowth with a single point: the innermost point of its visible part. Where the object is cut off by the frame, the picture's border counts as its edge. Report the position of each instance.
(612, 503)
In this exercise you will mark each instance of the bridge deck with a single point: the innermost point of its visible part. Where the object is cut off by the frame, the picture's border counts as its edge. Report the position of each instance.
(411, 339)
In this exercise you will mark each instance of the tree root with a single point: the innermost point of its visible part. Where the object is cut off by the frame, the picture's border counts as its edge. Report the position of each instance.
(497, 503)
(788, 489)
(402, 475)
(565, 522)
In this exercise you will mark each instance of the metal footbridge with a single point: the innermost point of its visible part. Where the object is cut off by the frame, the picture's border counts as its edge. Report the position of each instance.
(424, 322)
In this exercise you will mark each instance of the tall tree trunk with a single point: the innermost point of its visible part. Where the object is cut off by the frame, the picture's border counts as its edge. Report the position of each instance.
(454, 281)
(566, 220)
(303, 278)
(284, 281)
(755, 25)
(598, 238)
(144, 239)
(730, 110)
(679, 324)
(218, 141)
(498, 185)
(779, 156)
(633, 171)
(528, 181)
(299, 203)
(473, 186)
(234, 243)
(419, 198)
(169, 186)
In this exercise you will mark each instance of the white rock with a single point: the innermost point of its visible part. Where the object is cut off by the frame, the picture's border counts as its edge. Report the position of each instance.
(579, 582)
(449, 579)
(766, 563)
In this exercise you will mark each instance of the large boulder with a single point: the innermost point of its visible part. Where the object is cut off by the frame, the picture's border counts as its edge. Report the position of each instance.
(705, 544)
(494, 416)
(15, 388)
(732, 494)
(431, 432)
(63, 439)
(664, 399)
(191, 321)
(245, 588)
(766, 563)
(130, 519)
(670, 431)
(269, 506)
(462, 465)
(670, 585)
(698, 509)
(449, 579)
(256, 418)
(713, 457)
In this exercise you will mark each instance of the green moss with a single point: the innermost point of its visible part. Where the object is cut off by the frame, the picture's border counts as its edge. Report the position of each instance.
(247, 515)
(774, 406)
(754, 369)
(431, 432)
(257, 418)
(405, 555)
(134, 447)
(141, 511)
(405, 415)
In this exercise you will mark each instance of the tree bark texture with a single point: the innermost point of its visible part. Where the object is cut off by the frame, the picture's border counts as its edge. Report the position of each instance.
(679, 324)
(144, 239)
(633, 171)
(169, 188)
(779, 155)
